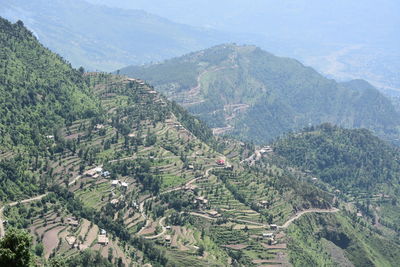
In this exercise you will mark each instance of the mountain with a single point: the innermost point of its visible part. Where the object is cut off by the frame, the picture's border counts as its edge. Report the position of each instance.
(98, 37)
(247, 92)
(353, 41)
(130, 178)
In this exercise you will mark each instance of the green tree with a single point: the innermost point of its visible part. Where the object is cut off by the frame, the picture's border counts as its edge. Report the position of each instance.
(15, 249)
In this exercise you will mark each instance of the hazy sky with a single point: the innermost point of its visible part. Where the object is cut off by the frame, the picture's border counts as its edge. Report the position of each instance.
(349, 21)
(344, 39)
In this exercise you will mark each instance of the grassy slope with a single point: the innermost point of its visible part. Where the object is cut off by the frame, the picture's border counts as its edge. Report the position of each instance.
(361, 245)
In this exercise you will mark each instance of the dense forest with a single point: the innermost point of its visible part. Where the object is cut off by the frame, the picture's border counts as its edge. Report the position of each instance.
(39, 91)
(351, 160)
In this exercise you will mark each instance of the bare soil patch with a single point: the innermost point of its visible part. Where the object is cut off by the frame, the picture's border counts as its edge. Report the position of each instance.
(237, 246)
(50, 240)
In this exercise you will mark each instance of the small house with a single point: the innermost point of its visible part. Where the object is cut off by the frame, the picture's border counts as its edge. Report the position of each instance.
(114, 201)
(82, 247)
(115, 182)
(102, 240)
(123, 184)
(103, 232)
(213, 213)
(268, 235)
(167, 238)
(105, 173)
(221, 162)
(201, 200)
(91, 172)
(273, 227)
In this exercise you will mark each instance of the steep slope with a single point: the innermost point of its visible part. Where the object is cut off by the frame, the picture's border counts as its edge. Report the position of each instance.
(351, 160)
(39, 93)
(354, 164)
(98, 37)
(38, 89)
(250, 93)
(135, 177)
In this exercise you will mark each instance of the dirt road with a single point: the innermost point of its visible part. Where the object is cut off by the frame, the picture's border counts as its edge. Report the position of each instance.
(298, 215)
(2, 231)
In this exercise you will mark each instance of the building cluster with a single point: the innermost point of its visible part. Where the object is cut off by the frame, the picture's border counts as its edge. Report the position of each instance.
(97, 172)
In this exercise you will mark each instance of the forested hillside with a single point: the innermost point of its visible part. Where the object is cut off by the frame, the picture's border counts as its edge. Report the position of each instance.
(354, 164)
(244, 91)
(350, 160)
(39, 91)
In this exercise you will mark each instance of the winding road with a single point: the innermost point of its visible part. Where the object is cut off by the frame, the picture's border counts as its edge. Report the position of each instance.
(164, 229)
(2, 231)
(299, 214)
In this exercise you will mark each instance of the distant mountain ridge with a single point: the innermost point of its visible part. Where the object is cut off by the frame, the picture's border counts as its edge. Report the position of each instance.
(104, 38)
(250, 93)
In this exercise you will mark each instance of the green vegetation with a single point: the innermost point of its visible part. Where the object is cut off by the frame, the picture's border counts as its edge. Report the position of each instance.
(350, 160)
(40, 90)
(263, 96)
(15, 249)
(125, 163)
(344, 241)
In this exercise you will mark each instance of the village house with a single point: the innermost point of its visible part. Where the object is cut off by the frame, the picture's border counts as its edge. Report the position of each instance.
(123, 184)
(102, 240)
(91, 172)
(268, 235)
(201, 200)
(167, 238)
(213, 213)
(220, 162)
(115, 182)
(114, 201)
(82, 247)
(105, 174)
(103, 232)
(190, 187)
(273, 227)
(70, 240)
(263, 204)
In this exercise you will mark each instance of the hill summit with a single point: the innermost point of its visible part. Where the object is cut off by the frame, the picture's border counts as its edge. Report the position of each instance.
(250, 93)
